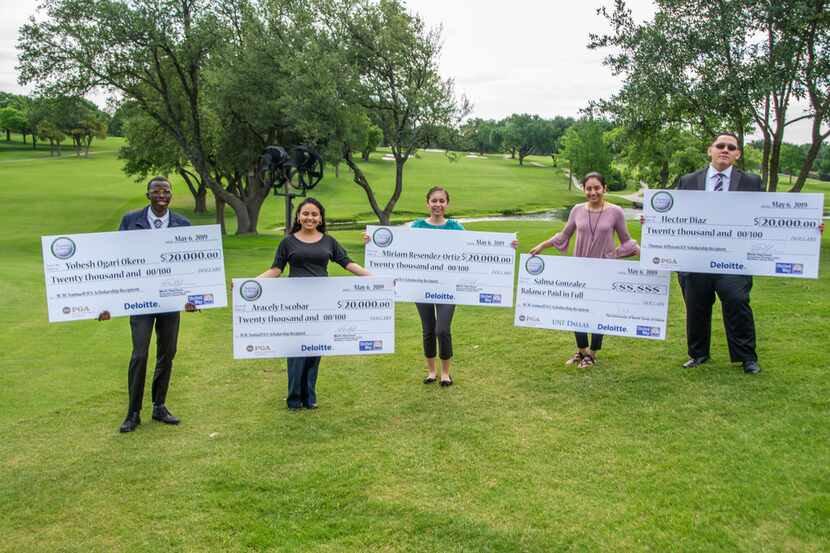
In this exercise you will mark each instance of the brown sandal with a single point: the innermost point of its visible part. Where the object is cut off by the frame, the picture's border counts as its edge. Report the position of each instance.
(588, 360)
(576, 358)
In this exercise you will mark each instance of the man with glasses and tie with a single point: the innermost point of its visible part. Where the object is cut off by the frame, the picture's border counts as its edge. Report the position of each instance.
(154, 216)
(699, 289)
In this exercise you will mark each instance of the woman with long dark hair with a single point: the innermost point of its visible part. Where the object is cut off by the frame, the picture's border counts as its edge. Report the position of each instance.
(595, 223)
(307, 249)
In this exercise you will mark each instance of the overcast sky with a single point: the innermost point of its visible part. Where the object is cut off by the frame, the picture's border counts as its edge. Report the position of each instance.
(507, 57)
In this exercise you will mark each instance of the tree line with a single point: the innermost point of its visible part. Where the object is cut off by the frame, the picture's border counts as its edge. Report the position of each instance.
(203, 86)
(53, 120)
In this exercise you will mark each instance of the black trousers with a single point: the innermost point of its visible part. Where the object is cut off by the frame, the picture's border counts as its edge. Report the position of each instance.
(436, 320)
(699, 290)
(582, 340)
(167, 335)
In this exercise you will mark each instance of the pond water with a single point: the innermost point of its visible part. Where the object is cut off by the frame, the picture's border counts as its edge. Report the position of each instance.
(560, 214)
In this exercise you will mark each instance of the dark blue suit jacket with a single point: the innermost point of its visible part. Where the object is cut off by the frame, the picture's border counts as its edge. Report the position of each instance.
(137, 220)
(740, 181)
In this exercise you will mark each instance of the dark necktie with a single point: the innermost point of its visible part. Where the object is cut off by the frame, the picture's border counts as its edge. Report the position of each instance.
(158, 222)
(719, 183)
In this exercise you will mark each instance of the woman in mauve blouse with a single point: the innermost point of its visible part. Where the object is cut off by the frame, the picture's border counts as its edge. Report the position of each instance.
(595, 223)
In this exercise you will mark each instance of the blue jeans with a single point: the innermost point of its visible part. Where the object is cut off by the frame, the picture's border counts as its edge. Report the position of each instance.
(302, 379)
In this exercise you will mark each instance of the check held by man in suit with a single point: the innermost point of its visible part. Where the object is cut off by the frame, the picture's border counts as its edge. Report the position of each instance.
(699, 289)
(155, 216)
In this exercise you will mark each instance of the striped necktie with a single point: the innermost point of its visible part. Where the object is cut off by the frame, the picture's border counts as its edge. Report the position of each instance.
(719, 183)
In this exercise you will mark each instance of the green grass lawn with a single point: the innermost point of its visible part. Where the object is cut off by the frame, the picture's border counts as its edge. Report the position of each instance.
(813, 186)
(523, 454)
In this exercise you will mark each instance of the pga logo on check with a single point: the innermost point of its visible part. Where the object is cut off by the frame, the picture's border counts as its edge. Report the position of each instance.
(76, 310)
(250, 348)
(664, 261)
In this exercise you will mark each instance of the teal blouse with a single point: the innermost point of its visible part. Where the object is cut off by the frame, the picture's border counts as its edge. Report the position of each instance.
(451, 224)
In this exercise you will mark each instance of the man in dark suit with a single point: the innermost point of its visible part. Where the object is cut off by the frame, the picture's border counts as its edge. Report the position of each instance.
(154, 216)
(699, 289)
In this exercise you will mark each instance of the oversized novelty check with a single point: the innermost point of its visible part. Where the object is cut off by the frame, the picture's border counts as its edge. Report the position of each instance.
(746, 233)
(304, 317)
(441, 266)
(583, 294)
(134, 272)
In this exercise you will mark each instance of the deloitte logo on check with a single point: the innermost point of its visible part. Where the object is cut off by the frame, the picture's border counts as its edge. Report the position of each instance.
(382, 237)
(63, 247)
(535, 265)
(662, 202)
(250, 290)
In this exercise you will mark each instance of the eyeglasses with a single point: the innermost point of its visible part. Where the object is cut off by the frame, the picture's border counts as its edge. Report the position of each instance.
(724, 145)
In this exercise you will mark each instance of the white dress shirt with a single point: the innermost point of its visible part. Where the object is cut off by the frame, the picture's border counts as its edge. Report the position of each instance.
(164, 220)
(712, 179)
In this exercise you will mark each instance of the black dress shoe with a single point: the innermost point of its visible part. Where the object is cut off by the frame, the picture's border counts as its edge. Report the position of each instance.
(446, 383)
(751, 367)
(130, 423)
(161, 414)
(695, 361)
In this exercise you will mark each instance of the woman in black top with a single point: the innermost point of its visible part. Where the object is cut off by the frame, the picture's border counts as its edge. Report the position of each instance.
(308, 250)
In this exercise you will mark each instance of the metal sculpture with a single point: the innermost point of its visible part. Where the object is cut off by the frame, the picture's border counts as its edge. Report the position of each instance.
(290, 174)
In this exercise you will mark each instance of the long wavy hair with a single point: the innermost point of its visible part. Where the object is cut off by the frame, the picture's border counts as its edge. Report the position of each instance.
(297, 226)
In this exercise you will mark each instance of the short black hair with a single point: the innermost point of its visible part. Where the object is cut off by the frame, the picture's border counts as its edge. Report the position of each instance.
(157, 178)
(727, 133)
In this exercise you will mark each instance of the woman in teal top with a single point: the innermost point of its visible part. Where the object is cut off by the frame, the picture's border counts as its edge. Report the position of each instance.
(436, 318)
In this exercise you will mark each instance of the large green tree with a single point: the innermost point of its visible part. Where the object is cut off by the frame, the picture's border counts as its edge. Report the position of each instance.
(792, 159)
(396, 81)
(482, 135)
(80, 120)
(150, 151)
(153, 52)
(525, 134)
(584, 148)
(702, 67)
(12, 120)
(657, 155)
